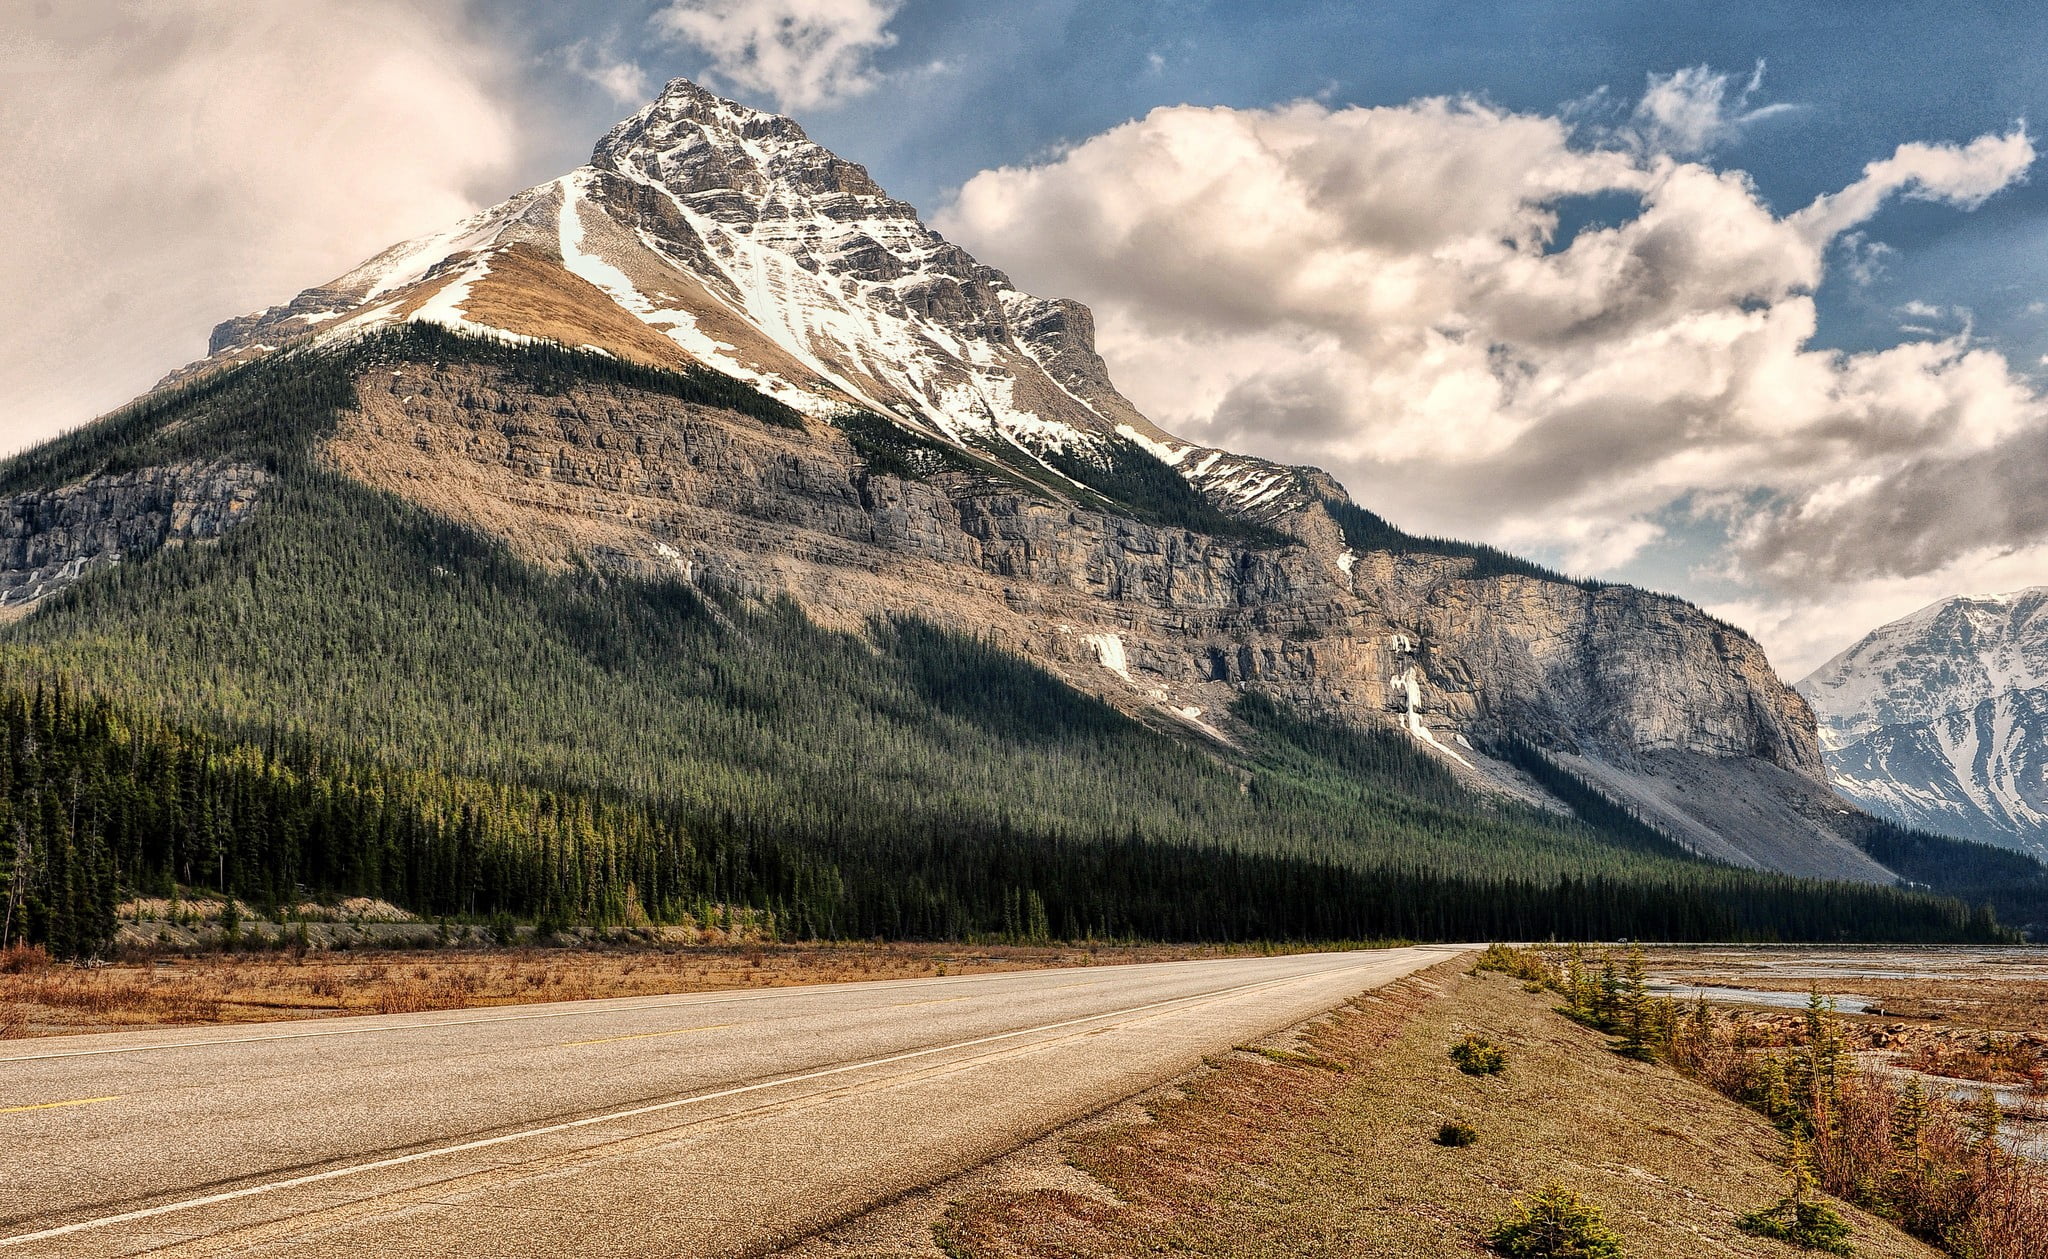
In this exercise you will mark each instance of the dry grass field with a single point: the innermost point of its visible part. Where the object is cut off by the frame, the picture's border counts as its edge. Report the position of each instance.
(40, 998)
(1999, 990)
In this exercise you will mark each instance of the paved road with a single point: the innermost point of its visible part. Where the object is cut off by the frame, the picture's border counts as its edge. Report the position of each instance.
(702, 1124)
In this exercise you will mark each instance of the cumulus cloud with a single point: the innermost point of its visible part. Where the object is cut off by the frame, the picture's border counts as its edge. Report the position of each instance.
(172, 165)
(1388, 293)
(799, 53)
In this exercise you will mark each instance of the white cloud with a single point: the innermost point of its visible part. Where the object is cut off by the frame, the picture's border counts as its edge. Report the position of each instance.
(1964, 176)
(624, 80)
(801, 54)
(171, 165)
(1695, 109)
(1863, 259)
(1381, 292)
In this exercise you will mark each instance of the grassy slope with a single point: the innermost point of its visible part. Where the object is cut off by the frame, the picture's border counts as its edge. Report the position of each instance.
(1265, 1158)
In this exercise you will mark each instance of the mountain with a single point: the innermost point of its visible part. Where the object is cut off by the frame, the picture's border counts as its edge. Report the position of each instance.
(707, 493)
(1940, 719)
(706, 234)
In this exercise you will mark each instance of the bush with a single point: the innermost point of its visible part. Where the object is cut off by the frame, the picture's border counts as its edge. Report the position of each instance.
(1476, 1055)
(20, 959)
(1811, 1225)
(1796, 1218)
(1555, 1224)
(1457, 1134)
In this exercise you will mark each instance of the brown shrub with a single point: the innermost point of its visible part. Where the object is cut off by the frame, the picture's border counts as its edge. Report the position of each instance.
(1935, 1166)
(22, 959)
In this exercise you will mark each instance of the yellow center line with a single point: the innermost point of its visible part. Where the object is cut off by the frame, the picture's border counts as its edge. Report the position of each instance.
(897, 1005)
(604, 1040)
(76, 1101)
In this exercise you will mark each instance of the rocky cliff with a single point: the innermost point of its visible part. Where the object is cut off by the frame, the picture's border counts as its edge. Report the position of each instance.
(52, 538)
(1640, 692)
(704, 235)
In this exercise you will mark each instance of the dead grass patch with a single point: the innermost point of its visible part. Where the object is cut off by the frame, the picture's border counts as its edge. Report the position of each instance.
(38, 998)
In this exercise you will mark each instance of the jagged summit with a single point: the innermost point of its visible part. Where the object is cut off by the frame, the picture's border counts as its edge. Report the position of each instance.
(749, 163)
(706, 232)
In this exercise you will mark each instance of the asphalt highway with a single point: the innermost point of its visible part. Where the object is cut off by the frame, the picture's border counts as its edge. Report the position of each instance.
(706, 1124)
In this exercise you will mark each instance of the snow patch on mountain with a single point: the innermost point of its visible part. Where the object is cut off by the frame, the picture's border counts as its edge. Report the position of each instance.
(1109, 653)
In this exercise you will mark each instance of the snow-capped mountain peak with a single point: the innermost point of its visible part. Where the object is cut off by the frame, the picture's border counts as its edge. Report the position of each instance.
(703, 231)
(1940, 718)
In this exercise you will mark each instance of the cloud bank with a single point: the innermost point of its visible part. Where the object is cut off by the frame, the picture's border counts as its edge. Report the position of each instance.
(1394, 294)
(173, 165)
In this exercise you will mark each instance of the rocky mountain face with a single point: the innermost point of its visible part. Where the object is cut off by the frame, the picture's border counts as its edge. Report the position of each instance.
(706, 235)
(705, 232)
(1940, 720)
(52, 538)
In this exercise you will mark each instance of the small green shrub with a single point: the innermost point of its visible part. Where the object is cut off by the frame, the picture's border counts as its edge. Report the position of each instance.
(1809, 1225)
(1797, 1217)
(1555, 1224)
(1476, 1055)
(1457, 1134)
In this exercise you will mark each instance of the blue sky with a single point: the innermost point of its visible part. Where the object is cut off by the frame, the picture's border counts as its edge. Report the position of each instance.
(182, 164)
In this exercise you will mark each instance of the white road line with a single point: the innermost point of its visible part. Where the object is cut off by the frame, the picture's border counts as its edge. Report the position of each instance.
(357, 1169)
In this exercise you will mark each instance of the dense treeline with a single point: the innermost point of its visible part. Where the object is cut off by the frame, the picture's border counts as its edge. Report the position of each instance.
(2012, 883)
(548, 368)
(1140, 484)
(350, 694)
(98, 804)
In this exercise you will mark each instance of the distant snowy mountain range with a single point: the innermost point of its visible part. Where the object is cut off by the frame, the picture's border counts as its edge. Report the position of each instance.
(1940, 720)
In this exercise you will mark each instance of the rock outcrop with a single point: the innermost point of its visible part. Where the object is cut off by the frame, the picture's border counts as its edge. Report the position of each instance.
(51, 538)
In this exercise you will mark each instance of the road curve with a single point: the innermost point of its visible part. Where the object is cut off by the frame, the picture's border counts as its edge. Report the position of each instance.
(704, 1124)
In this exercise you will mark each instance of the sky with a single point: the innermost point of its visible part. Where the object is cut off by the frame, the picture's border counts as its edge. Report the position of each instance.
(1748, 303)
